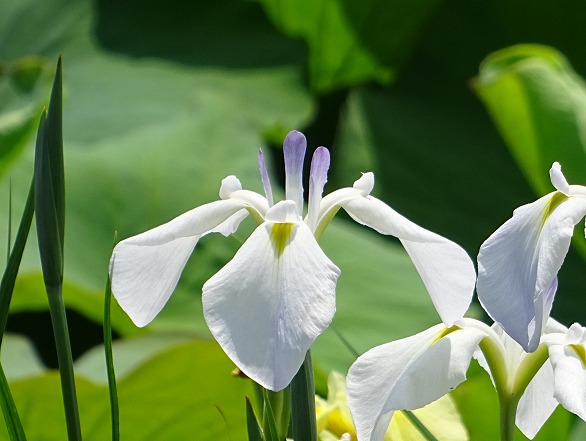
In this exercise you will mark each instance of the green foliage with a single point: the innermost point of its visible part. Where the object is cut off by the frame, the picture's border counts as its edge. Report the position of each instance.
(352, 42)
(162, 101)
(538, 103)
(184, 390)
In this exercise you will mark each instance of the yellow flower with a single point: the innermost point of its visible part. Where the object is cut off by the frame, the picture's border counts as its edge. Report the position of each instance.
(441, 418)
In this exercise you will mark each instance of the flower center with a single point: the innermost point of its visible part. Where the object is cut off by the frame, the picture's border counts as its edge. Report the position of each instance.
(280, 236)
(445, 332)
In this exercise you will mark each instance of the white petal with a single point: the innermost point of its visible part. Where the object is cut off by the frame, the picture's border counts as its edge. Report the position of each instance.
(537, 403)
(558, 180)
(270, 302)
(407, 374)
(569, 367)
(518, 263)
(145, 269)
(445, 268)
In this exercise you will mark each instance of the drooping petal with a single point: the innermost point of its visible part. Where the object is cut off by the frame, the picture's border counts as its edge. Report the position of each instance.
(537, 403)
(445, 268)
(294, 151)
(145, 269)
(270, 302)
(407, 374)
(264, 175)
(518, 264)
(318, 176)
(569, 367)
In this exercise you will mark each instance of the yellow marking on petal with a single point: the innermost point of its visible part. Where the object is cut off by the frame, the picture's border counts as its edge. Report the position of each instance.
(280, 235)
(445, 332)
(552, 204)
(580, 352)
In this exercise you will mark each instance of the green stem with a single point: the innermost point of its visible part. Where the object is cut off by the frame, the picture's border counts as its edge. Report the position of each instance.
(115, 414)
(508, 412)
(510, 389)
(424, 431)
(65, 359)
(303, 403)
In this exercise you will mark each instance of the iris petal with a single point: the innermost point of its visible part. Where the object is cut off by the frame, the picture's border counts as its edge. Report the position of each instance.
(445, 268)
(264, 175)
(518, 264)
(268, 304)
(407, 374)
(570, 371)
(318, 176)
(145, 269)
(294, 148)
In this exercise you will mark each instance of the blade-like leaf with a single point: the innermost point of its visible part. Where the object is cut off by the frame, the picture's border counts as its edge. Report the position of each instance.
(254, 430)
(303, 403)
(50, 219)
(11, 271)
(112, 388)
(11, 417)
(50, 188)
(269, 422)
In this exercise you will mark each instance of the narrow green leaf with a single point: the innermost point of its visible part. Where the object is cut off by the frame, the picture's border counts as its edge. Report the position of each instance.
(303, 403)
(280, 403)
(269, 424)
(114, 410)
(11, 271)
(254, 430)
(419, 425)
(50, 187)
(50, 220)
(9, 410)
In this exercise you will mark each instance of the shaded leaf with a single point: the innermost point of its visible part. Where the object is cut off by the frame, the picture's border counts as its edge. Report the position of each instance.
(538, 103)
(177, 394)
(352, 42)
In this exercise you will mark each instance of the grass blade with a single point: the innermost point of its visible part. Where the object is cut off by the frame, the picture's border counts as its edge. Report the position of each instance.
(303, 403)
(9, 411)
(254, 430)
(50, 221)
(15, 257)
(115, 414)
(419, 425)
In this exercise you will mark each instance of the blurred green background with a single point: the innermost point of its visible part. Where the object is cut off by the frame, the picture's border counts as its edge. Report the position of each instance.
(164, 99)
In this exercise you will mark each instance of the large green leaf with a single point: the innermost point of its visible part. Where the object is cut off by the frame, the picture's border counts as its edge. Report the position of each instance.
(352, 42)
(185, 392)
(145, 139)
(538, 103)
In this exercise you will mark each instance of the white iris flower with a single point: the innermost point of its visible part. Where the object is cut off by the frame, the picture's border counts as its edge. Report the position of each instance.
(519, 262)
(269, 303)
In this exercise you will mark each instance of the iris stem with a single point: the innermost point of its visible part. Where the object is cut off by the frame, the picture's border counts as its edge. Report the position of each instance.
(510, 386)
(303, 402)
(114, 409)
(508, 412)
(65, 360)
